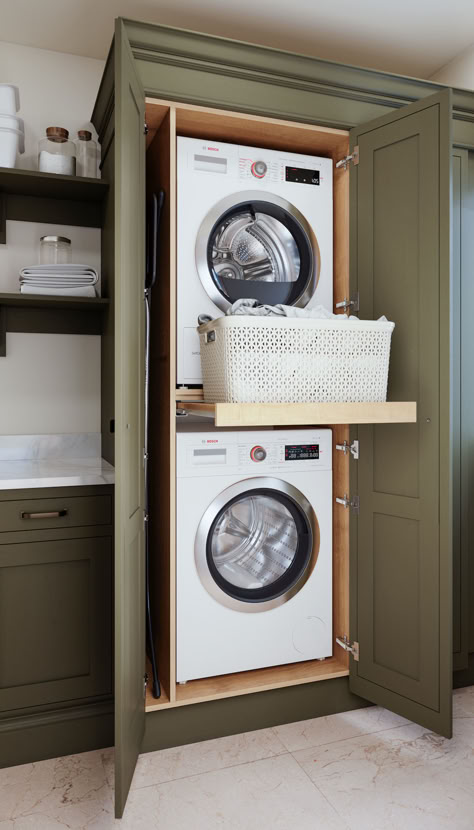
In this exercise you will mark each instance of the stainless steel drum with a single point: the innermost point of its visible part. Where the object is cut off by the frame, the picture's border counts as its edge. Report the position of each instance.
(257, 544)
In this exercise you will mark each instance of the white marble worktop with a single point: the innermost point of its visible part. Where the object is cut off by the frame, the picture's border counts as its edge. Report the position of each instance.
(69, 460)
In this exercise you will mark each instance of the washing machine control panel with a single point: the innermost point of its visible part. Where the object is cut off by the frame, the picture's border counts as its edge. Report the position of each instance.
(228, 453)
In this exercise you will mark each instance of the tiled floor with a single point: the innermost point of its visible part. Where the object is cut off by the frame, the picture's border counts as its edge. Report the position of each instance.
(363, 770)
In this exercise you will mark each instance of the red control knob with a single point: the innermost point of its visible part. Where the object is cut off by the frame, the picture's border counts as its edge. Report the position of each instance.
(258, 454)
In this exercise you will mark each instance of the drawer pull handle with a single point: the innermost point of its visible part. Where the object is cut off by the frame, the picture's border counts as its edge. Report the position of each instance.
(53, 514)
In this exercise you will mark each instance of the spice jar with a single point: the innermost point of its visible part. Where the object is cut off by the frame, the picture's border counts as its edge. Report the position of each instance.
(55, 250)
(56, 153)
(86, 155)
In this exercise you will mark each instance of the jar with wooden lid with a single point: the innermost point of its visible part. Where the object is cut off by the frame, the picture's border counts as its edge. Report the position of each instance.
(57, 154)
(86, 155)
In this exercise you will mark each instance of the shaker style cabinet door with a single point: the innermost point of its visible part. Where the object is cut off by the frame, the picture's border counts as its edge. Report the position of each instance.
(129, 416)
(401, 540)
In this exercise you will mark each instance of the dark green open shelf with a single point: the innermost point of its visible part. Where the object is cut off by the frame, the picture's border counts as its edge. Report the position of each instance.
(31, 196)
(41, 314)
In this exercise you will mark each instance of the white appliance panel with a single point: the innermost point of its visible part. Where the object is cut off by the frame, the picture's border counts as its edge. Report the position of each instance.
(207, 172)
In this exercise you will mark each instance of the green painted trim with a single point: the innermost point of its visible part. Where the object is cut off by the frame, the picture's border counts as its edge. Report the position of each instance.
(230, 716)
(36, 737)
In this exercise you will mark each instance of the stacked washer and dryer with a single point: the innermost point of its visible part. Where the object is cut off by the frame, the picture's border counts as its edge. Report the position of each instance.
(254, 509)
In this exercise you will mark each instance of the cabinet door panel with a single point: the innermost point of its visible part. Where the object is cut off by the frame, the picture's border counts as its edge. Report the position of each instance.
(55, 631)
(401, 544)
(129, 416)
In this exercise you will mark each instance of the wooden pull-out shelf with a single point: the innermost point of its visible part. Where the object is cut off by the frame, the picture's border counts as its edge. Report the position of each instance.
(283, 414)
(249, 682)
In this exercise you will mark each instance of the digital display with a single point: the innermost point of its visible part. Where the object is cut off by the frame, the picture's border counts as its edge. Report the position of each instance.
(301, 175)
(301, 452)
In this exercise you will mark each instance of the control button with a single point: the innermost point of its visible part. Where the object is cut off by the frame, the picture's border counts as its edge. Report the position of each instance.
(258, 454)
(258, 168)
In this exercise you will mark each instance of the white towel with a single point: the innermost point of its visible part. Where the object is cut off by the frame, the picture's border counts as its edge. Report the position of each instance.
(84, 291)
(67, 280)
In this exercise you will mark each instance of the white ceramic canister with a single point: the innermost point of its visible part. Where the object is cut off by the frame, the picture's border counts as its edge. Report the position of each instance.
(11, 143)
(9, 99)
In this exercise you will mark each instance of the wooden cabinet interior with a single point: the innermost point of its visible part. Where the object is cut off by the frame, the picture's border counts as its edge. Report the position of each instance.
(165, 121)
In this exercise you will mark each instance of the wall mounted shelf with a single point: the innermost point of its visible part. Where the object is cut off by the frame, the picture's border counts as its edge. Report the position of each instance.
(294, 414)
(39, 314)
(32, 196)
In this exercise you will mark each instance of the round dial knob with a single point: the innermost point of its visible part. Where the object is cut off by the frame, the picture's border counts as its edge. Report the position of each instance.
(259, 168)
(258, 454)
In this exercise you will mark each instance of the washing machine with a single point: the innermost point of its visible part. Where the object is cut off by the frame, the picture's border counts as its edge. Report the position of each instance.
(254, 550)
(250, 223)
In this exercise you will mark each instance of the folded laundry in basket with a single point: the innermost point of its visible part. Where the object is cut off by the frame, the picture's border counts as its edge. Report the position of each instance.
(252, 308)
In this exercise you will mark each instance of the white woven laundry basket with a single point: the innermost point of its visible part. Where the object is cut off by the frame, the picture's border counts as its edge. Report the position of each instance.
(286, 360)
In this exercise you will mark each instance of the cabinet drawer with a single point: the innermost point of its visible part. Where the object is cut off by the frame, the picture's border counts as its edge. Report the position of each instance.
(41, 514)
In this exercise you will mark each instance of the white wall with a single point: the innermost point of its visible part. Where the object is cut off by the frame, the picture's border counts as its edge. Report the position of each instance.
(48, 383)
(459, 72)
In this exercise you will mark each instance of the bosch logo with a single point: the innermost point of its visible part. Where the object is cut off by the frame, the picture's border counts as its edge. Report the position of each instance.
(212, 441)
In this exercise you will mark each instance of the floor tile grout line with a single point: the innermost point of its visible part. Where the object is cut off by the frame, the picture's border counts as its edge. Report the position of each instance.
(348, 827)
(215, 769)
(351, 737)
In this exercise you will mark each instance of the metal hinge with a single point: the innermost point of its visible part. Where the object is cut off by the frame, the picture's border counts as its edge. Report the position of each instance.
(352, 503)
(346, 645)
(145, 128)
(146, 455)
(145, 684)
(353, 303)
(146, 517)
(352, 448)
(354, 157)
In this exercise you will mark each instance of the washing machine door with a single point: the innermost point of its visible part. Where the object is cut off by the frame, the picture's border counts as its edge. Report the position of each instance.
(257, 544)
(257, 245)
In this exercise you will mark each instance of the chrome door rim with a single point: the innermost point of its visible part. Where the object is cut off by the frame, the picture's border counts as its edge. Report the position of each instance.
(226, 204)
(204, 527)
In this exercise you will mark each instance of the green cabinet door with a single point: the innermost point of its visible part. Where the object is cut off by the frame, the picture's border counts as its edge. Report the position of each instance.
(129, 417)
(401, 541)
(55, 626)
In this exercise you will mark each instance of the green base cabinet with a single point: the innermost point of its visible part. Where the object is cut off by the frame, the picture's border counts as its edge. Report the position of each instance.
(55, 612)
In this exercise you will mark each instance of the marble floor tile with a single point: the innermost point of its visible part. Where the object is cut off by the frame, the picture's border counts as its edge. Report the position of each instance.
(183, 761)
(48, 786)
(463, 703)
(272, 794)
(406, 778)
(318, 731)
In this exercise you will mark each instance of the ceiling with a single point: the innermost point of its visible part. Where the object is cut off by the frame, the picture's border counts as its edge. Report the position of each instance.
(410, 37)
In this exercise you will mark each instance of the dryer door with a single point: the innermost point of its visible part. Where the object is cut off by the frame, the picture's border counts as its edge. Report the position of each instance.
(257, 544)
(259, 246)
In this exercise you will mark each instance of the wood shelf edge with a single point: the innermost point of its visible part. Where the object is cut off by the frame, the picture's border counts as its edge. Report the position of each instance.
(251, 682)
(281, 414)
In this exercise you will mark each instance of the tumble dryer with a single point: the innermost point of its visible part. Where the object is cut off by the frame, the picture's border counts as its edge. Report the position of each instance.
(254, 550)
(250, 223)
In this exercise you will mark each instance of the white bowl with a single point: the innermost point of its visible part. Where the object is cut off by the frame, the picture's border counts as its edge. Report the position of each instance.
(11, 143)
(9, 99)
(11, 122)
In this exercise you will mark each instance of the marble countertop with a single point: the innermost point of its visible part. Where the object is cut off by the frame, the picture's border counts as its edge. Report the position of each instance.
(54, 472)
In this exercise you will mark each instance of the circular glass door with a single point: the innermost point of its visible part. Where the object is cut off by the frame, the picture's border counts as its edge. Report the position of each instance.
(256, 544)
(256, 245)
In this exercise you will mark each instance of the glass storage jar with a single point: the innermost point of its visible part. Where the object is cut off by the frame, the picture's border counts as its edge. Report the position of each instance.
(55, 250)
(86, 155)
(56, 153)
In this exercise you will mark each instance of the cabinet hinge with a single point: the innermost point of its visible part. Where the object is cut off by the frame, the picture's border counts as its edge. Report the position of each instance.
(145, 128)
(352, 503)
(353, 157)
(352, 303)
(352, 448)
(145, 684)
(346, 645)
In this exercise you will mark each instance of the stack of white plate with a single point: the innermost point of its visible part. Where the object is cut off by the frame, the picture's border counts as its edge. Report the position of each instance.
(59, 280)
(12, 128)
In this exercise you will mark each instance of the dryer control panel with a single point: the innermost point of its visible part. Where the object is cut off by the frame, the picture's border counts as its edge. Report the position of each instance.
(256, 453)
